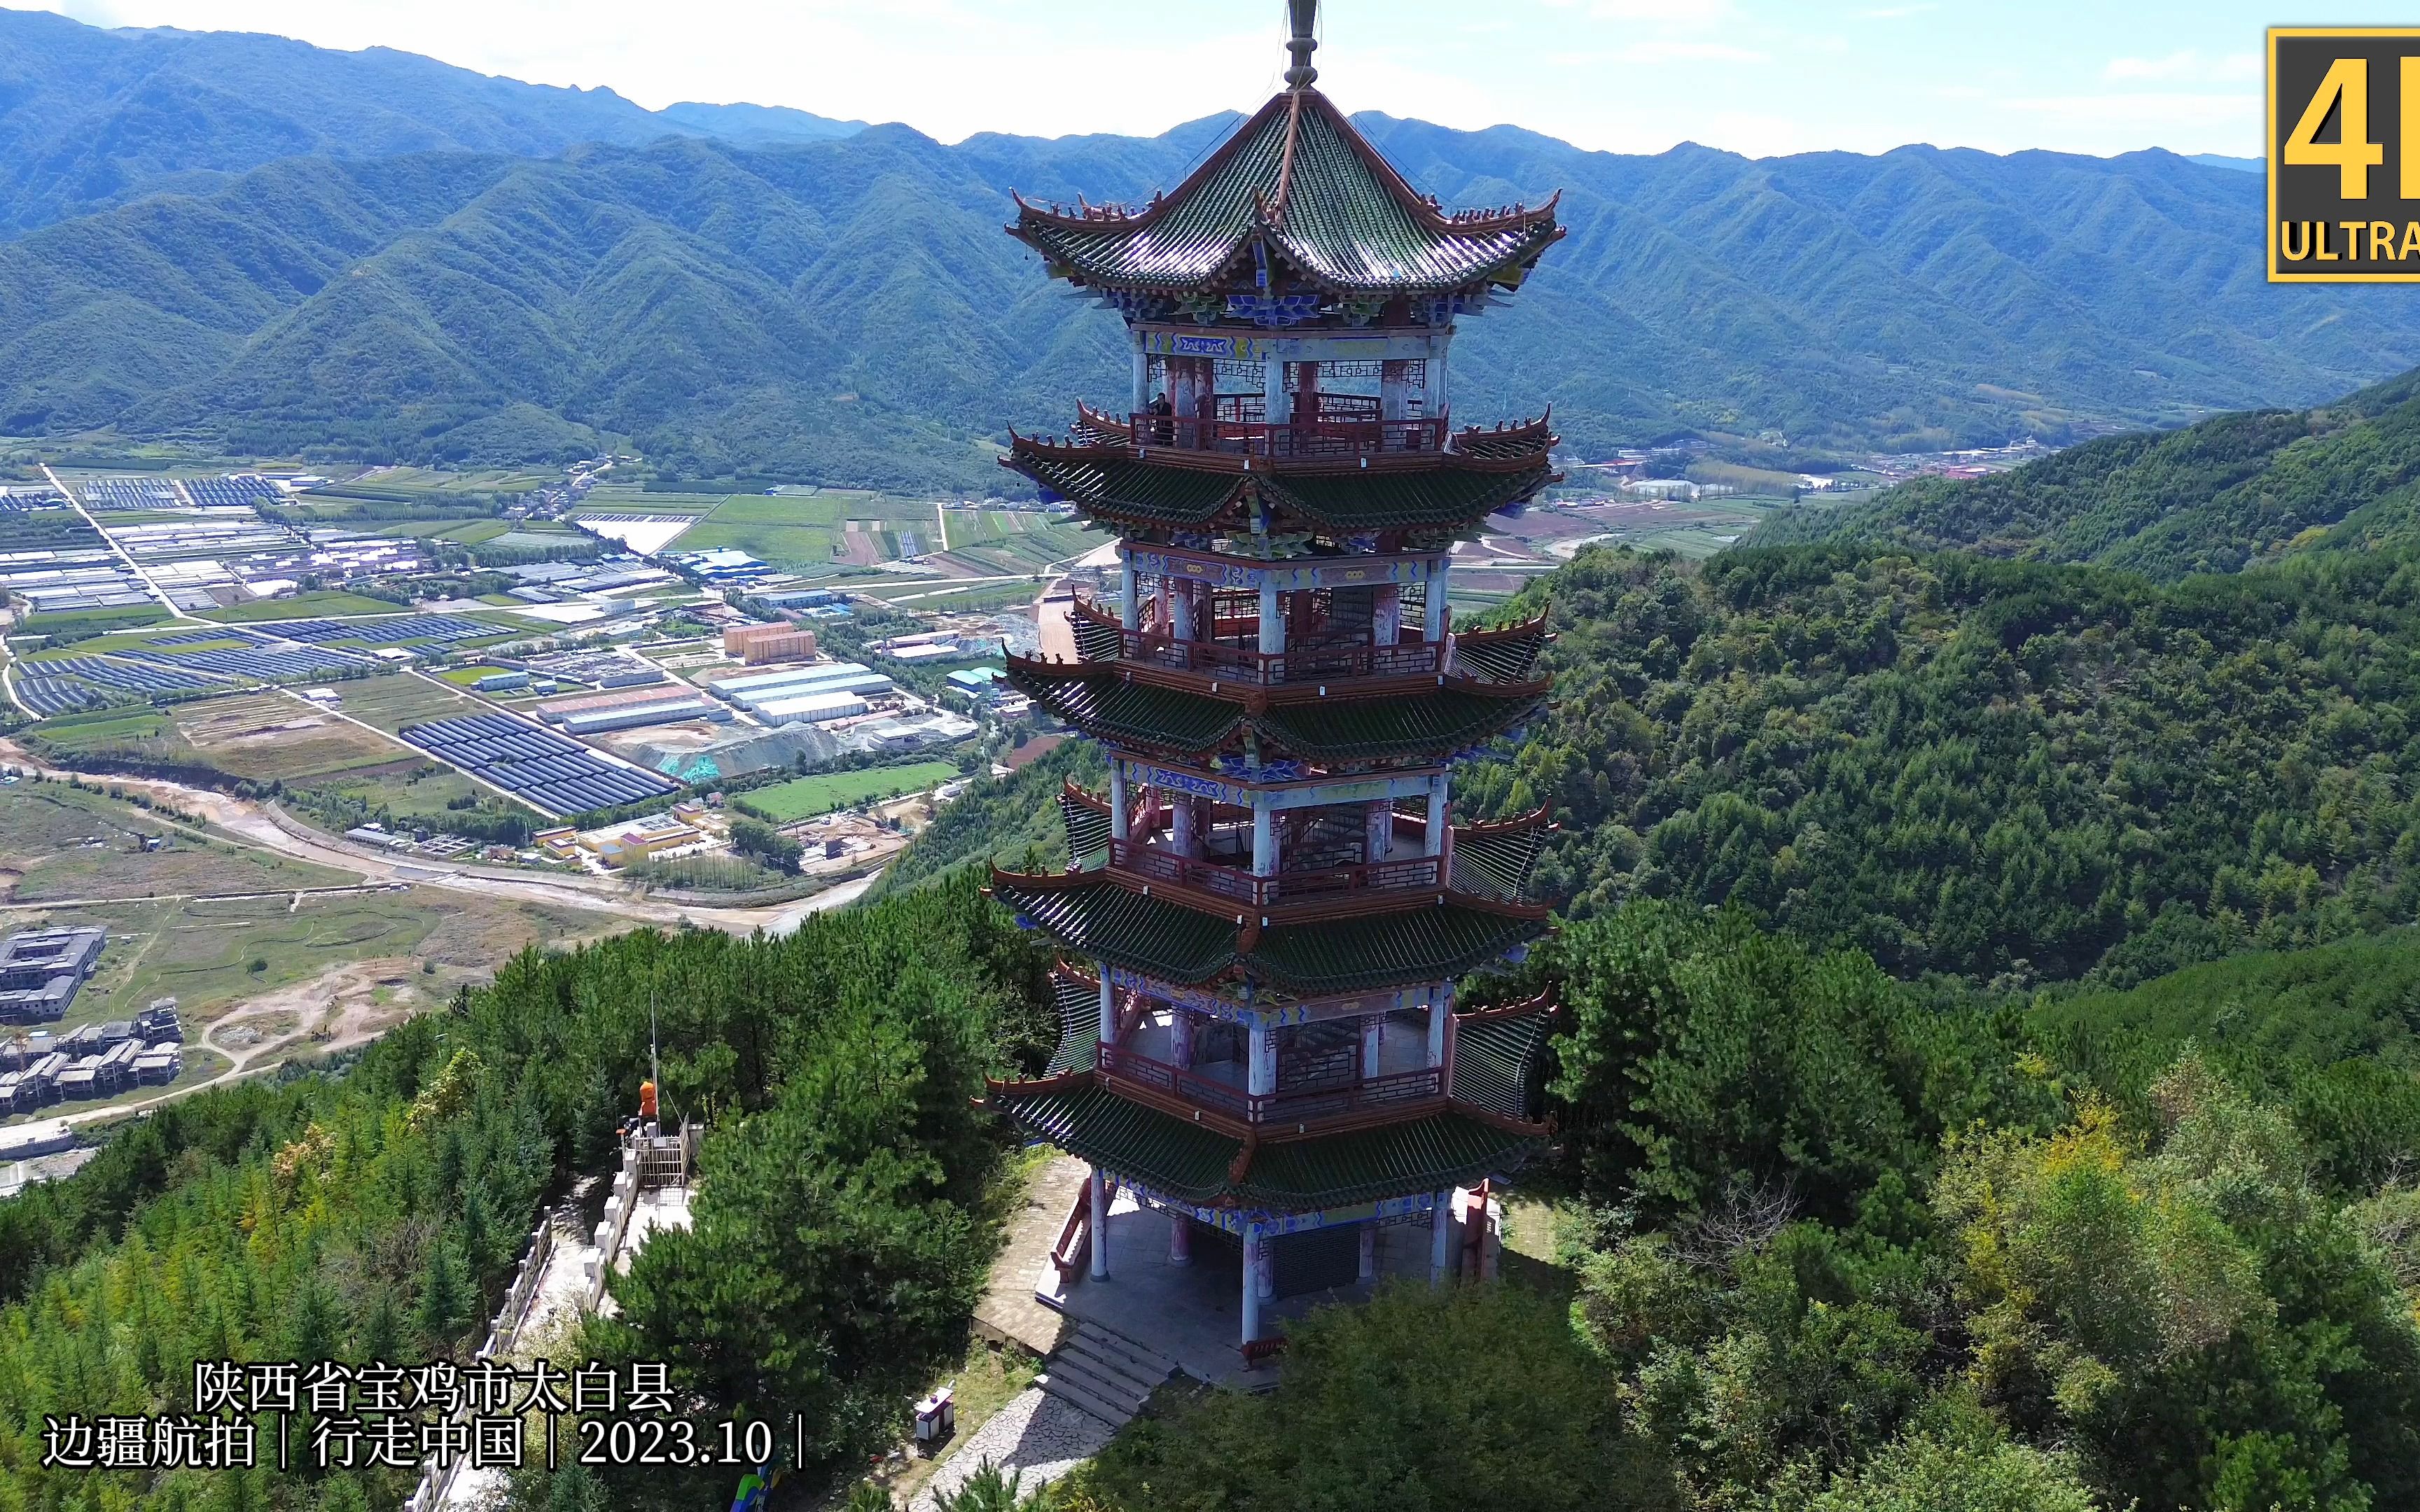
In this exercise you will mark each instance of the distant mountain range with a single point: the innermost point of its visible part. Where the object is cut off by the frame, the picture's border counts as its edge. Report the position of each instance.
(2223, 495)
(90, 118)
(268, 247)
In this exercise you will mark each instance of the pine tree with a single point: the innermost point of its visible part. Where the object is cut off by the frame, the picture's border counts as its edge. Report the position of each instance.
(444, 1298)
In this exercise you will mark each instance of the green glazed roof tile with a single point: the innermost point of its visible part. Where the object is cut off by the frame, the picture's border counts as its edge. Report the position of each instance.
(1169, 1154)
(1431, 722)
(1425, 942)
(1444, 1149)
(1188, 1162)
(1119, 487)
(1337, 212)
(1495, 1063)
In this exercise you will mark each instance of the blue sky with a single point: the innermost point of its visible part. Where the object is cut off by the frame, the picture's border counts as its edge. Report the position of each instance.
(1755, 76)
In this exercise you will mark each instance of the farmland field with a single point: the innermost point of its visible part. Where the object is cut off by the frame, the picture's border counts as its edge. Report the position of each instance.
(302, 607)
(807, 796)
(399, 698)
(258, 737)
(58, 842)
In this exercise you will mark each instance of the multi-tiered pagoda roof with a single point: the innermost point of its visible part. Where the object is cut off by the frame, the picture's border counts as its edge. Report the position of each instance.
(1299, 188)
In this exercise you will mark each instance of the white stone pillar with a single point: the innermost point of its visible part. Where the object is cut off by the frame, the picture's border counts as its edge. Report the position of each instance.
(1370, 1250)
(1373, 1029)
(1100, 1201)
(1440, 792)
(1377, 830)
(1440, 1237)
(1261, 1060)
(1109, 1020)
(1142, 378)
(1264, 837)
(1433, 612)
(1272, 620)
(1176, 607)
(1393, 379)
(1117, 799)
(1129, 591)
(1439, 402)
(1180, 1240)
(1275, 403)
(1251, 1282)
(1440, 1010)
(1186, 841)
(1181, 1030)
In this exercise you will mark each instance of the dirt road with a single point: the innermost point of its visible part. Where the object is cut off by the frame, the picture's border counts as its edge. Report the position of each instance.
(263, 828)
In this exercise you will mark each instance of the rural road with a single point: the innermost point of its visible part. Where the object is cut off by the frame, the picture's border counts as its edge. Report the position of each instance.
(255, 824)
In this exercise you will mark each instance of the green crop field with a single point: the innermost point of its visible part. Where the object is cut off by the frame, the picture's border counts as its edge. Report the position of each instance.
(308, 606)
(68, 622)
(399, 698)
(256, 737)
(806, 796)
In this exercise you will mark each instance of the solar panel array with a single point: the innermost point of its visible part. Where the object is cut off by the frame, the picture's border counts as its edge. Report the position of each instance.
(197, 638)
(47, 696)
(235, 492)
(268, 666)
(127, 676)
(551, 772)
(386, 632)
(130, 493)
(18, 500)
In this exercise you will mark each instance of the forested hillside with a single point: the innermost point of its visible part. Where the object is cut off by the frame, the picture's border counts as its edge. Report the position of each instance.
(1824, 1243)
(377, 1213)
(2214, 497)
(90, 118)
(1997, 770)
(847, 309)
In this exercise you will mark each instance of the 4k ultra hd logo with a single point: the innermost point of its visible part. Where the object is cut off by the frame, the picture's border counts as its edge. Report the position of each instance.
(2344, 154)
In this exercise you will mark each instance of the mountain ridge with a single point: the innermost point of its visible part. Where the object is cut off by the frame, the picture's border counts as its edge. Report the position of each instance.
(2220, 496)
(1915, 300)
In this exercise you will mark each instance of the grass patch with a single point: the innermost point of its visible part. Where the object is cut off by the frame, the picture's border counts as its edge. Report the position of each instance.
(92, 620)
(399, 698)
(58, 842)
(310, 606)
(254, 737)
(201, 952)
(806, 796)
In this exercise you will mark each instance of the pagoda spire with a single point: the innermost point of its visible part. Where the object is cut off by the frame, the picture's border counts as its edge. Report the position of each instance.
(1304, 14)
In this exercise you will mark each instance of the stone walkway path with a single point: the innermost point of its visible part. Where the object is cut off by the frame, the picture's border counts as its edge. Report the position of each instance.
(1036, 1434)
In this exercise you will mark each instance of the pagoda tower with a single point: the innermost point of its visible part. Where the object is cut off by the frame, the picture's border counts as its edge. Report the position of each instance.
(1266, 913)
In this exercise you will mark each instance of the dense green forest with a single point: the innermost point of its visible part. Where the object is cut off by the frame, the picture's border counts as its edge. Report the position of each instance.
(1999, 771)
(377, 1212)
(1832, 1246)
(2215, 497)
(1824, 1239)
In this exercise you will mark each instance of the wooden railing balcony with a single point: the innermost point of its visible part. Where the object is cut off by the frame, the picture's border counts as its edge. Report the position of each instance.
(1323, 440)
(1268, 668)
(1310, 1105)
(1412, 873)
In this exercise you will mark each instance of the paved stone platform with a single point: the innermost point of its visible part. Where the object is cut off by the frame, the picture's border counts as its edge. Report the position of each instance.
(1010, 1313)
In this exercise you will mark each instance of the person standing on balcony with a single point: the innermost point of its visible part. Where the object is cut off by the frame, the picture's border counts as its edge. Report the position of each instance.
(1163, 425)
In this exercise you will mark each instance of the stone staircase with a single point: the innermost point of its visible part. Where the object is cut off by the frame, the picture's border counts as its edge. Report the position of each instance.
(1103, 1372)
